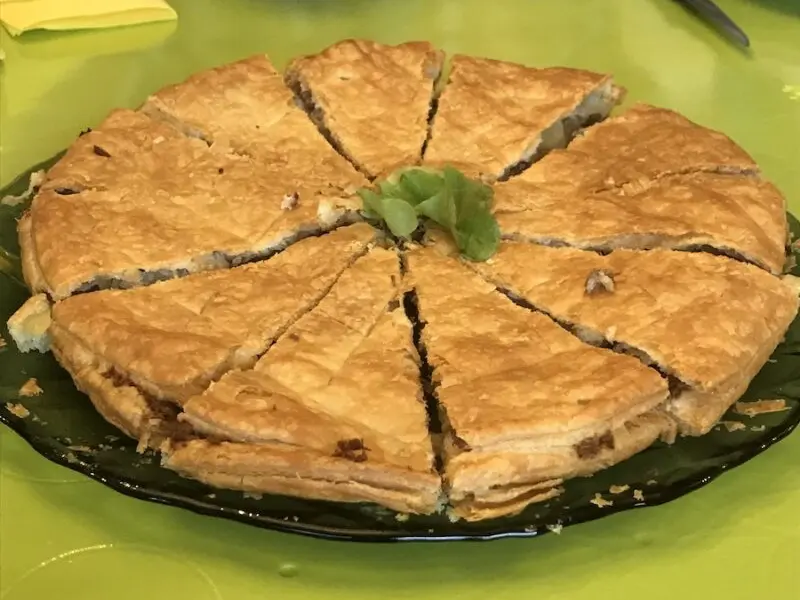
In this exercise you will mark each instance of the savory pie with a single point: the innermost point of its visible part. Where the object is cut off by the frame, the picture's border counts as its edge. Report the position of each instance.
(202, 269)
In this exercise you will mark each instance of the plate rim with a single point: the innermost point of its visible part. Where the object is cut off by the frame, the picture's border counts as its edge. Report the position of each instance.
(130, 487)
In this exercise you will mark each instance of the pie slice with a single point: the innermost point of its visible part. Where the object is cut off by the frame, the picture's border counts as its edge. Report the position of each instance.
(643, 143)
(246, 106)
(132, 351)
(736, 215)
(498, 117)
(524, 403)
(136, 201)
(334, 410)
(663, 307)
(371, 100)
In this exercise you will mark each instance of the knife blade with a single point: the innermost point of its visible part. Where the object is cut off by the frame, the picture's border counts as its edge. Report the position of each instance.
(714, 15)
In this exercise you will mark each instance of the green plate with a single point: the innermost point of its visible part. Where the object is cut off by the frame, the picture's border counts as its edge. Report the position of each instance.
(64, 427)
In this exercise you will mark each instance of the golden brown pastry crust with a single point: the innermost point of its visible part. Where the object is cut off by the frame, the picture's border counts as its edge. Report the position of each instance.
(643, 143)
(665, 304)
(161, 201)
(497, 482)
(273, 468)
(372, 98)
(735, 214)
(491, 113)
(124, 406)
(174, 337)
(328, 381)
(483, 346)
(513, 384)
(246, 106)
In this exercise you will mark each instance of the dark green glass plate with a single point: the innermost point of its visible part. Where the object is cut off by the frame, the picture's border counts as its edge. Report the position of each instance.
(64, 428)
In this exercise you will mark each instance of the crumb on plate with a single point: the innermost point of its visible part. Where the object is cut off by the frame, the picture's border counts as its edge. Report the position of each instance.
(18, 410)
(760, 407)
(732, 426)
(601, 502)
(557, 528)
(30, 388)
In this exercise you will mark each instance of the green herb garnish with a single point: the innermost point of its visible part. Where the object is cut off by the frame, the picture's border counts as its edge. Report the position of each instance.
(448, 198)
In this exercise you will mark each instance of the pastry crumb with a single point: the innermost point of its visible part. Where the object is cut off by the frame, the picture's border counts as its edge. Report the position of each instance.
(758, 428)
(252, 495)
(601, 502)
(211, 496)
(18, 410)
(652, 482)
(2, 342)
(30, 388)
(80, 448)
(732, 426)
(618, 489)
(760, 407)
(36, 179)
(557, 528)
(598, 282)
(638, 495)
(401, 517)
(290, 201)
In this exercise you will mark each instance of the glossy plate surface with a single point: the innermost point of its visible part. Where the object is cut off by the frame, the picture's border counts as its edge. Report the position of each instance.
(64, 427)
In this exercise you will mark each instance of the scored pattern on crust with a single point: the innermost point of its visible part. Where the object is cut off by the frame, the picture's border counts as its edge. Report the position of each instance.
(515, 389)
(341, 385)
(371, 101)
(500, 117)
(161, 205)
(168, 341)
(225, 169)
(704, 352)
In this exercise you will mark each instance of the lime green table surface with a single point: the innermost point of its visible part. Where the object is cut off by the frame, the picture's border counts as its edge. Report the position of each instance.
(64, 536)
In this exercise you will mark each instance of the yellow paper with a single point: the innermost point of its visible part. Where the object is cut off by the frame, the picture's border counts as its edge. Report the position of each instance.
(19, 16)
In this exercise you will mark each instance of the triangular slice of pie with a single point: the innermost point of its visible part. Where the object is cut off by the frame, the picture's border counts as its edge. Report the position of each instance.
(371, 100)
(643, 143)
(524, 403)
(133, 350)
(334, 410)
(497, 117)
(735, 215)
(246, 106)
(135, 201)
(709, 322)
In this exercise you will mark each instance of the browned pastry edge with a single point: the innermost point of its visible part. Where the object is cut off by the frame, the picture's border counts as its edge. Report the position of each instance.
(506, 501)
(291, 470)
(31, 272)
(136, 277)
(697, 412)
(124, 406)
(473, 481)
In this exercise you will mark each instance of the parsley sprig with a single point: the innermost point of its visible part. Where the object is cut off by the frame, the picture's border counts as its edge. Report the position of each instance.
(448, 198)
